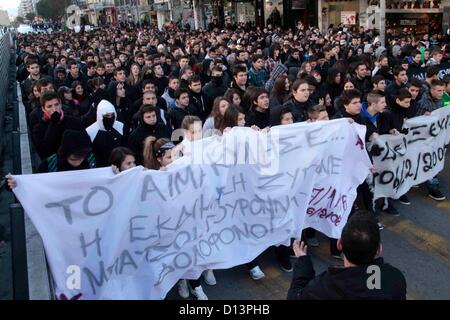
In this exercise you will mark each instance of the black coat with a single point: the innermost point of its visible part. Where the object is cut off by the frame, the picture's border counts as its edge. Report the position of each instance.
(391, 92)
(177, 115)
(298, 110)
(138, 136)
(364, 86)
(211, 91)
(338, 283)
(104, 142)
(160, 85)
(47, 135)
(259, 119)
(55, 163)
(391, 118)
(199, 106)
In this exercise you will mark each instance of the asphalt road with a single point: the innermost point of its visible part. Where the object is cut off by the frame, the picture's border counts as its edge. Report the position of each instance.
(417, 242)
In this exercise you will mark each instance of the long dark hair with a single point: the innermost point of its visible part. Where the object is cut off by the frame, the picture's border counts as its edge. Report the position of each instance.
(118, 156)
(279, 88)
(230, 118)
(151, 146)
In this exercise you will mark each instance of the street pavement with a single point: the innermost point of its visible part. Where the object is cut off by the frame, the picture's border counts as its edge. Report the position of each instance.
(417, 242)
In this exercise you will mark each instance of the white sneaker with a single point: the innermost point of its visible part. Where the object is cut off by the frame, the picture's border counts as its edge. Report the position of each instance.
(199, 293)
(208, 275)
(183, 290)
(256, 273)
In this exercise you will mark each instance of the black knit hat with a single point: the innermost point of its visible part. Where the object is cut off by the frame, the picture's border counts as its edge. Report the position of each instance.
(75, 143)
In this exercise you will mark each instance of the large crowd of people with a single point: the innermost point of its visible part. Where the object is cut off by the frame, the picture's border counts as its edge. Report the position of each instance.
(114, 96)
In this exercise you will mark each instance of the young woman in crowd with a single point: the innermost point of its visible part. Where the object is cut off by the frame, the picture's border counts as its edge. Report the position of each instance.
(280, 92)
(122, 159)
(211, 124)
(80, 98)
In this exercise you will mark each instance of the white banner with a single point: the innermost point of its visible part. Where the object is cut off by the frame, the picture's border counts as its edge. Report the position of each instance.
(409, 159)
(133, 235)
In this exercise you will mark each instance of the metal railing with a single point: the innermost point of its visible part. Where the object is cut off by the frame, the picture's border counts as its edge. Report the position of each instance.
(5, 59)
(30, 272)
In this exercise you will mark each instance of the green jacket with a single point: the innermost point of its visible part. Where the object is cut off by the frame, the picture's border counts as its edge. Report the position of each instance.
(446, 100)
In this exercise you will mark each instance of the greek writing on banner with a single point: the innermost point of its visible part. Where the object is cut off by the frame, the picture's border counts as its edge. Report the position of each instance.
(409, 159)
(135, 234)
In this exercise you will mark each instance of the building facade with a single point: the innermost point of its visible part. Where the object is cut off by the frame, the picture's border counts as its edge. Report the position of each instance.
(422, 16)
(395, 16)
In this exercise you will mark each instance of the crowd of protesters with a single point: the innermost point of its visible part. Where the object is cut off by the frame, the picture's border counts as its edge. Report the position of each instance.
(115, 95)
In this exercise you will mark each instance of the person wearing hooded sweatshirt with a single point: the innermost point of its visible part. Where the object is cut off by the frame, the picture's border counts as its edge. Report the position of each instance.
(198, 99)
(215, 88)
(182, 108)
(106, 133)
(75, 153)
(148, 126)
(48, 132)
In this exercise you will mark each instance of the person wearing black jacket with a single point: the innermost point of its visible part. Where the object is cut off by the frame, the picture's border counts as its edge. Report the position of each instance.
(391, 120)
(400, 79)
(148, 126)
(215, 88)
(106, 133)
(34, 75)
(47, 133)
(75, 153)
(160, 80)
(198, 99)
(365, 275)
(299, 103)
(149, 85)
(259, 114)
(240, 78)
(351, 106)
(181, 109)
(149, 98)
(361, 81)
(75, 74)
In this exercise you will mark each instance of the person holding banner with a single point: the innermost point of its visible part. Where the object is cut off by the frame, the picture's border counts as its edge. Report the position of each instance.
(364, 270)
(122, 159)
(75, 153)
(429, 102)
(400, 80)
